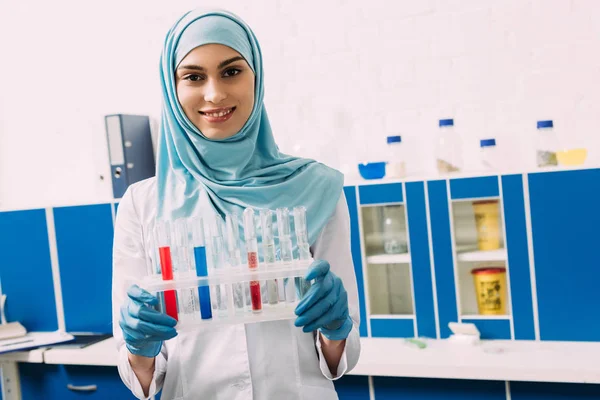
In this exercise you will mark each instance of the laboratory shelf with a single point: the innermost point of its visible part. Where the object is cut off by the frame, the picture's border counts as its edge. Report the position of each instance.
(502, 360)
(480, 316)
(297, 269)
(392, 316)
(482, 256)
(33, 356)
(403, 258)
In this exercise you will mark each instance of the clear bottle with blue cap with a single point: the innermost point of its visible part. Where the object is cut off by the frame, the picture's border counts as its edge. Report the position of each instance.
(489, 159)
(547, 144)
(448, 152)
(395, 166)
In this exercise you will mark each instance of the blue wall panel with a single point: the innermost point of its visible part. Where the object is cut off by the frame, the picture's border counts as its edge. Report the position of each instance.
(442, 255)
(492, 328)
(377, 194)
(419, 252)
(352, 387)
(84, 238)
(388, 388)
(518, 256)
(26, 270)
(350, 193)
(553, 391)
(399, 328)
(467, 188)
(565, 216)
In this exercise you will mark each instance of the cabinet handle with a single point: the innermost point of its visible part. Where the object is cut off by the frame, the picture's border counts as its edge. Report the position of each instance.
(88, 388)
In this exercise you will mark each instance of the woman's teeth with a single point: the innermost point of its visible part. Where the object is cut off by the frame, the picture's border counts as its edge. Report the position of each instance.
(219, 114)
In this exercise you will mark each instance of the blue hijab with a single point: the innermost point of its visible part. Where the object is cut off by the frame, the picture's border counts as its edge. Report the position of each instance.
(197, 175)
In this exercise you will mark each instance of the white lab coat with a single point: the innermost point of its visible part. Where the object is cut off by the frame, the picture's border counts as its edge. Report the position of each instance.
(262, 361)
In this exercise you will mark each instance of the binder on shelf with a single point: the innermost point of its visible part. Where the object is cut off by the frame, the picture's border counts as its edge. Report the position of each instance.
(130, 150)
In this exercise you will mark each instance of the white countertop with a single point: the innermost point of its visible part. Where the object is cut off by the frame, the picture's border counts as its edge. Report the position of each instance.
(503, 360)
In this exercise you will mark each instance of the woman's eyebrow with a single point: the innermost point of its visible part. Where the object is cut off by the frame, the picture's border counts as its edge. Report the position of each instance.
(221, 65)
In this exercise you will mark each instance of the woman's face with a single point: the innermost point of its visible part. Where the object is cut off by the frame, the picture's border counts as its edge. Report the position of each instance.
(215, 87)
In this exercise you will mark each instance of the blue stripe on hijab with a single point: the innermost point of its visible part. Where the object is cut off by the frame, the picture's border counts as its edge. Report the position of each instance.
(197, 175)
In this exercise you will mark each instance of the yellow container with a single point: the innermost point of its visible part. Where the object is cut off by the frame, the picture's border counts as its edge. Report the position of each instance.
(487, 219)
(490, 288)
(571, 157)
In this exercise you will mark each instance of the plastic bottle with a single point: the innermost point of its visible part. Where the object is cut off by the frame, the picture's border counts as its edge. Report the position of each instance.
(488, 155)
(395, 167)
(448, 148)
(393, 241)
(546, 144)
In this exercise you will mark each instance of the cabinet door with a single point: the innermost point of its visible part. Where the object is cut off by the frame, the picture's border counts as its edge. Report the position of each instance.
(61, 382)
(84, 236)
(565, 216)
(26, 270)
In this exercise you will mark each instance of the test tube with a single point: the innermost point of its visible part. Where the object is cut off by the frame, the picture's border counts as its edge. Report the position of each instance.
(268, 244)
(235, 258)
(196, 227)
(285, 247)
(187, 298)
(222, 294)
(163, 240)
(303, 245)
(252, 249)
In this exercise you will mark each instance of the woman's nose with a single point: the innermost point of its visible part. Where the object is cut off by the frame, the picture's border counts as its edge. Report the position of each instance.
(214, 92)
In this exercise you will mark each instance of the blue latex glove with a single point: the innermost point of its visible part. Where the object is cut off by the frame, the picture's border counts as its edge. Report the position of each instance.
(325, 305)
(144, 328)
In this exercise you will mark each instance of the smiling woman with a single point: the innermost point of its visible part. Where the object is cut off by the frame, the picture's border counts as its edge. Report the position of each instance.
(215, 87)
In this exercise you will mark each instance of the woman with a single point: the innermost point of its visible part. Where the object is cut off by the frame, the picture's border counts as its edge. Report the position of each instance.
(216, 153)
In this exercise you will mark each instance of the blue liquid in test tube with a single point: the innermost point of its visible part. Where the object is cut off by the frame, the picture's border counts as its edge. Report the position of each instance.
(197, 229)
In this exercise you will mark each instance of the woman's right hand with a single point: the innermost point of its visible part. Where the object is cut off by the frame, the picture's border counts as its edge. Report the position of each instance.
(144, 328)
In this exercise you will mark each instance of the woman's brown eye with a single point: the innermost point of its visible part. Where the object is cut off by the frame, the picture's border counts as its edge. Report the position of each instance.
(232, 72)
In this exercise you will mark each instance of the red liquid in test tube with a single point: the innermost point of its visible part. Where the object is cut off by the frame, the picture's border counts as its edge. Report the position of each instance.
(254, 285)
(166, 267)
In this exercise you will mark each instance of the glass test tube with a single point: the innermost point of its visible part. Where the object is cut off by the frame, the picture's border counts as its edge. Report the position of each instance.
(303, 245)
(235, 259)
(285, 247)
(163, 240)
(187, 299)
(218, 256)
(196, 228)
(268, 243)
(252, 249)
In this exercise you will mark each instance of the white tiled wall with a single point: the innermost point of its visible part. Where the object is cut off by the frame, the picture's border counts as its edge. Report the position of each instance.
(340, 75)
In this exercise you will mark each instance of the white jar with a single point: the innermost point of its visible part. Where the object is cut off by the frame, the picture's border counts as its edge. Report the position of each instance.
(448, 152)
(488, 154)
(547, 145)
(395, 166)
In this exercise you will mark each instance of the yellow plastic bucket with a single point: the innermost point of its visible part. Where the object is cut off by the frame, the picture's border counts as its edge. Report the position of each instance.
(487, 220)
(490, 288)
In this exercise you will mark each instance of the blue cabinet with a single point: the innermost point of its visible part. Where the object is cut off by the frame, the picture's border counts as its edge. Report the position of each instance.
(50, 382)
(565, 217)
(26, 270)
(84, 241)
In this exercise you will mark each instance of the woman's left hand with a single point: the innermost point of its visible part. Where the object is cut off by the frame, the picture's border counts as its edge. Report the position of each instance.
(325, 305)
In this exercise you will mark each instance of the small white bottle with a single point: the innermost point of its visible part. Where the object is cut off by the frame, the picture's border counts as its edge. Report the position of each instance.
(547, 145)
(488, 154)
(448, 148)
(395, 166)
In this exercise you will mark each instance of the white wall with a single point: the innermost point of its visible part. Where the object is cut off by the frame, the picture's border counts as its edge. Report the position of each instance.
(339, 74)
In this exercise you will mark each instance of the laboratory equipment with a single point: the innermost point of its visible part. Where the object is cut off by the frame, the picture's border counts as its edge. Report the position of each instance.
(198, 244)
(252, 251)
(220, 293)
(187, 298)
(163, 240)
(490, 289)
(393, 240)
(488, 154)
(303, 245)
(547, 144)
(268, 245)
(448, 148)
(235, 259)
(130, 150)
(395, 167)
(285, 249)
(374, 170)
(487, 221)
